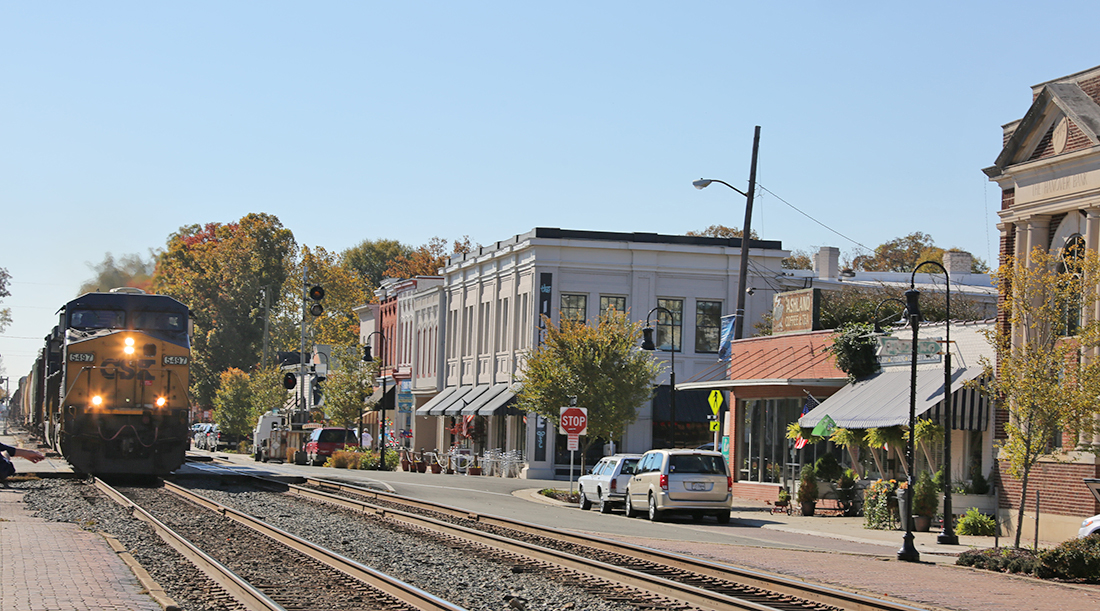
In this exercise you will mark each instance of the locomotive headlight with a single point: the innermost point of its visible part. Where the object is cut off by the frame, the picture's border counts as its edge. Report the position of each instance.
(97, 400)
(129, 349)
(161, 401)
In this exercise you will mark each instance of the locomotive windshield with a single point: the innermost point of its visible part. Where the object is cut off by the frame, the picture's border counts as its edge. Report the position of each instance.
(97, 319)
(160, 321)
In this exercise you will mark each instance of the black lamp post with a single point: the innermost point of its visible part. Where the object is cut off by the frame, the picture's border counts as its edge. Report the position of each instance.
(647, 344)
(743, 272)
(947, 536)
(908, 551)
(382, 403)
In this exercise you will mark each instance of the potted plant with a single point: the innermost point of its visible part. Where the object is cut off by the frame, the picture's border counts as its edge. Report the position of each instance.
(925, 500)
(846, 492)
(807, 490)
(783, 503)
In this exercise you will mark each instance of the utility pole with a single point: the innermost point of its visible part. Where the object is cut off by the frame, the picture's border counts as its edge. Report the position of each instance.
(267, 308)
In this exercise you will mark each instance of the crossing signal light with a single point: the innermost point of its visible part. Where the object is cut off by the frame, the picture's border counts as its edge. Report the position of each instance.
(289, 381)
(318, 390)
(316, 293)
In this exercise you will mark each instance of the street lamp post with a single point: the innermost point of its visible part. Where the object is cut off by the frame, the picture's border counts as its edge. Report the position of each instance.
(382, 402)
(647, 344)
(908, 551)
(743, 272)
(947, 536)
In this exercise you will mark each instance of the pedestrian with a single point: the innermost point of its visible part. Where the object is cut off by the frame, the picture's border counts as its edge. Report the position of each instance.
(7, 453)
(367, 440)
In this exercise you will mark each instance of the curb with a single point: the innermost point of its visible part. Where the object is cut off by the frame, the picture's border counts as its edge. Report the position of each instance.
(532, 494)
(151, 586)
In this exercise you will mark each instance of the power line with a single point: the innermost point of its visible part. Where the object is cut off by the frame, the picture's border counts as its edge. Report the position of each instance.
(763, 188)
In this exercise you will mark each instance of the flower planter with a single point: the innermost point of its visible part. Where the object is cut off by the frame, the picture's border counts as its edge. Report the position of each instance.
(922, 523)
(435, 467)
(421, 467)
(808, 509)
(961, 502)
(473, 471)
(405, 465)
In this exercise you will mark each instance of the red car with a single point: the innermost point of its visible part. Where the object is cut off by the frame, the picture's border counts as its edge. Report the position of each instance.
(323, 442)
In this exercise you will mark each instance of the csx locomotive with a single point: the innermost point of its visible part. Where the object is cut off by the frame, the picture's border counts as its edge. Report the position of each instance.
(109, 389)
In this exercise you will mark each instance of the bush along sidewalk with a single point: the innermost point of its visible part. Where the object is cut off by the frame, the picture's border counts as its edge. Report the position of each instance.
(1075, 560)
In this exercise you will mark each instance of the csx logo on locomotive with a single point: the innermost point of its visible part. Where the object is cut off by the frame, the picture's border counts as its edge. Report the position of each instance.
(126, 370)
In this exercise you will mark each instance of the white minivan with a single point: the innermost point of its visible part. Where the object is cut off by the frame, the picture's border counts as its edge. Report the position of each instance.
(693, 482)
(606, 483)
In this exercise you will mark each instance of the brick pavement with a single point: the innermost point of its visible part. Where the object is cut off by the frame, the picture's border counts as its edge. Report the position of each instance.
(55, 566)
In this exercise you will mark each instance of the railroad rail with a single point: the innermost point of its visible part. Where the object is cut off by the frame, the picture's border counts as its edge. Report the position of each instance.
(389, 592)
(691, 581)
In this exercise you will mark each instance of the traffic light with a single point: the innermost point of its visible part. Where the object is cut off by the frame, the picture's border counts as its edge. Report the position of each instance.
(367, 358)
(318, 391)
(289, 380)
(316, 293)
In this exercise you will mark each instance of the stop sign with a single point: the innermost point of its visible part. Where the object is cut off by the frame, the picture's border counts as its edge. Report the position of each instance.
(574, 420)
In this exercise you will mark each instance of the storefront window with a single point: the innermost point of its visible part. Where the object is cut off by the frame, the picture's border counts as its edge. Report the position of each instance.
(762, 446)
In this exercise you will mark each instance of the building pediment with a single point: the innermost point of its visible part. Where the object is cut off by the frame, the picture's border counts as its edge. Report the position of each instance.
(1058, 110)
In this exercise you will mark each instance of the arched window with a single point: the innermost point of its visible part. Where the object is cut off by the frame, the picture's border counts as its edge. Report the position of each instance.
(1070, 270)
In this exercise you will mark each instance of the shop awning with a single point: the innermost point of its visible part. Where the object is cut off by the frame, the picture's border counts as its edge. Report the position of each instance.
(436, 401)
(491, 393)
(459, 402)
(883, 400)
(503, 402)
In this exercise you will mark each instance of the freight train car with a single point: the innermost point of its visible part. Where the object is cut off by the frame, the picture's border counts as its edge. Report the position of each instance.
(111, 383)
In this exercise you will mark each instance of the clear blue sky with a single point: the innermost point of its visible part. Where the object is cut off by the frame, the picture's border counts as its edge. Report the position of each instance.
(120, 122)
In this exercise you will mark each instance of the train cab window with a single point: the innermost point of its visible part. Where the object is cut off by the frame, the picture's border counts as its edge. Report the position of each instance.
(160, 321)
(97, 319)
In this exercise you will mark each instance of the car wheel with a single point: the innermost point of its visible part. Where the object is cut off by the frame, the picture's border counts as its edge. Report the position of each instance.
(723, 517)
(630, 512)
(256, 457)
(654, 513)
(586, 504)
(605, 505)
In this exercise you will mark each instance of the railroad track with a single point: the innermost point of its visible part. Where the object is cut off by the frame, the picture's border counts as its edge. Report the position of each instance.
(243, 550)
(653, 574)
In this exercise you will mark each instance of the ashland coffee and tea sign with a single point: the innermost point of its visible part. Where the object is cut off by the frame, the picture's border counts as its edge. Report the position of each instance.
(796, 311)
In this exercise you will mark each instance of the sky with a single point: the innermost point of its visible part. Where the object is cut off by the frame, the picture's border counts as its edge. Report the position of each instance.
(121, 122)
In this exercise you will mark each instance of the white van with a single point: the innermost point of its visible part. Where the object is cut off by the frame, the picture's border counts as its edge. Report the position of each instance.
(268, 438)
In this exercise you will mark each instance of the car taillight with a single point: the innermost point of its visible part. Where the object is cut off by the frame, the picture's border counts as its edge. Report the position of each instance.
(614, 484)
(729, 484)
(664, 482)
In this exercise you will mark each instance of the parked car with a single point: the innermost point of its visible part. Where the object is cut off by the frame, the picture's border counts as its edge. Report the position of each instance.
(198, 434)
(324, 441)
(216, 439)
(606, 483)
(695, 482)
(1091, 525)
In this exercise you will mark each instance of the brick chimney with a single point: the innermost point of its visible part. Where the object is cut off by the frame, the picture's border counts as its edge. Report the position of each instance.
(957, 262)
(827, 262)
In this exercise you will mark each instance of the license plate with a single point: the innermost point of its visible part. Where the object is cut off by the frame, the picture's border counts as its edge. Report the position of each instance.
(698, 486)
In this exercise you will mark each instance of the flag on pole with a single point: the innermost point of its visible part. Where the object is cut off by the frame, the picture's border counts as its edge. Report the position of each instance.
(824, 427)
(800, 442)
(810, 403)
(725, 346)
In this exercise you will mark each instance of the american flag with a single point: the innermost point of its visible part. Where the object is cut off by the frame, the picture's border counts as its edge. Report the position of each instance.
(800, 442)
(810, 403)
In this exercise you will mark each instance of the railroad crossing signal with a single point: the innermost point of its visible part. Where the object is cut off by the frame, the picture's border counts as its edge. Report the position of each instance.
(574, 420)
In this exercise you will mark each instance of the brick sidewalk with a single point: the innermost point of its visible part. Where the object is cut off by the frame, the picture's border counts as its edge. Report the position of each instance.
(53, 566)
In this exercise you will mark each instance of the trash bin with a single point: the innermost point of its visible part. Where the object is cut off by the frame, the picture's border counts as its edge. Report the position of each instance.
(903, 510)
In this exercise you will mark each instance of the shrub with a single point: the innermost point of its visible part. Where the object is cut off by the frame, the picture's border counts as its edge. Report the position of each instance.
(925, 498)
(807, 485)
(847, 479)
(827, 469)
(978, 484)
(879, 504)
(784, 496)
(976, 523)
(1077, 559)
(1002, 559)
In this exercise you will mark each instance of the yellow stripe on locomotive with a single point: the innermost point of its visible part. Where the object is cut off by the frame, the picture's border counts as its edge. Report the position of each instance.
(126, 372)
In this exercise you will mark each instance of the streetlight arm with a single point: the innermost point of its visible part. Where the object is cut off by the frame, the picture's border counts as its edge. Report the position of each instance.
(703, 183)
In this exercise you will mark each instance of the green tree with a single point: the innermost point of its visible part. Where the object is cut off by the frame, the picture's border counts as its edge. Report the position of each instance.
(1041, 375)
(721, 231)
(427, 259)
(799, 259)
(219, 271)
(129, 270)
(338, 325)
(901, 254)
(371, 258)
(233, 403)
(854, 347)
(265, 388)
(348, 385)
(600, 365)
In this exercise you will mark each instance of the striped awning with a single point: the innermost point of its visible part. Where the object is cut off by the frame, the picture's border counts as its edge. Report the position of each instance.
(491, 393)
(883, 400)
(459, 402)
(480, 400)
(436, 401)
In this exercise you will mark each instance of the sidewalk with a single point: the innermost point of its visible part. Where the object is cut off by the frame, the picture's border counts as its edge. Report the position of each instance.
(55, 565)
